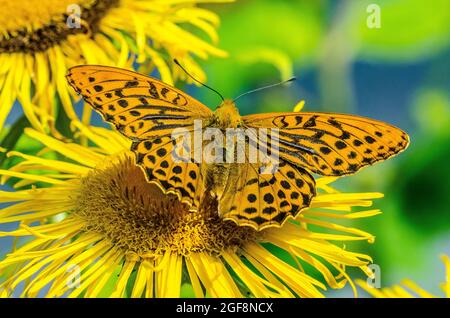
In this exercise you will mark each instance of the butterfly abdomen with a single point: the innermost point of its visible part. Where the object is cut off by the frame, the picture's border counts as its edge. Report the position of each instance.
(216, 176)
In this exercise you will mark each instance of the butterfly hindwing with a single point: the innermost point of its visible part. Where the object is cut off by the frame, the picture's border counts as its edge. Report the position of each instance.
(331, 144)
(160, 164)
(266, 200)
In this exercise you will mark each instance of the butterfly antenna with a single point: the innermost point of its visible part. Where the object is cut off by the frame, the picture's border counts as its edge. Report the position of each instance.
(265, 87)
(203, 84)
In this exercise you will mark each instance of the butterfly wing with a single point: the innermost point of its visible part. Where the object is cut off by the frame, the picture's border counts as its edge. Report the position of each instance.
(267, 200)
(158, 158)
(139, 106)
(331, 144)
(147, 111)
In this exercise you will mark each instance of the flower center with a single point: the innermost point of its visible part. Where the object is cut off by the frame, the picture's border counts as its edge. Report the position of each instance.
(117, 201)
(42, 24)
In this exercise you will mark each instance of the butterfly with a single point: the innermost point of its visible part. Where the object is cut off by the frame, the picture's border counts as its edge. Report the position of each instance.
(147, 111)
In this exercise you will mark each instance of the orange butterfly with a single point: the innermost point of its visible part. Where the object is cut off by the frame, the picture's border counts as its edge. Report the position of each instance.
(147, 111)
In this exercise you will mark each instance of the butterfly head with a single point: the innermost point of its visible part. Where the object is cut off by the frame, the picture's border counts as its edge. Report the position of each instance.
(227, 115)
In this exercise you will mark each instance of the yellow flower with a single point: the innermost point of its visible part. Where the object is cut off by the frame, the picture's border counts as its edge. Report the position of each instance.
(93, 213)
(39, 41)
(407, 288)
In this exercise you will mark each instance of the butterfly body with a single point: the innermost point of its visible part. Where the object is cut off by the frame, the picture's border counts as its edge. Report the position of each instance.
(149, 111)
(219, 176)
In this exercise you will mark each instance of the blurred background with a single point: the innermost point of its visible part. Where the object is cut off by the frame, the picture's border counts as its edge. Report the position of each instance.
(388, 60)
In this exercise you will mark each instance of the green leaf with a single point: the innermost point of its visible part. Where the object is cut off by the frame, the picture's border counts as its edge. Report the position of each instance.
(62, 123)
(13, 135)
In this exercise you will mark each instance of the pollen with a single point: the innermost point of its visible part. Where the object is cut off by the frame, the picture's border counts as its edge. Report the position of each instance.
(116, 201)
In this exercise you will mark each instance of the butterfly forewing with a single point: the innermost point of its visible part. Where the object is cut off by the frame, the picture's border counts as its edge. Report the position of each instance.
(147, 111)
(331, 144)
(139, 106)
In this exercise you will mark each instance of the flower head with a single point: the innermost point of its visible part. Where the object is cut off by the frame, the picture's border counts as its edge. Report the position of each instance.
(94, 210)
(39, 41)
